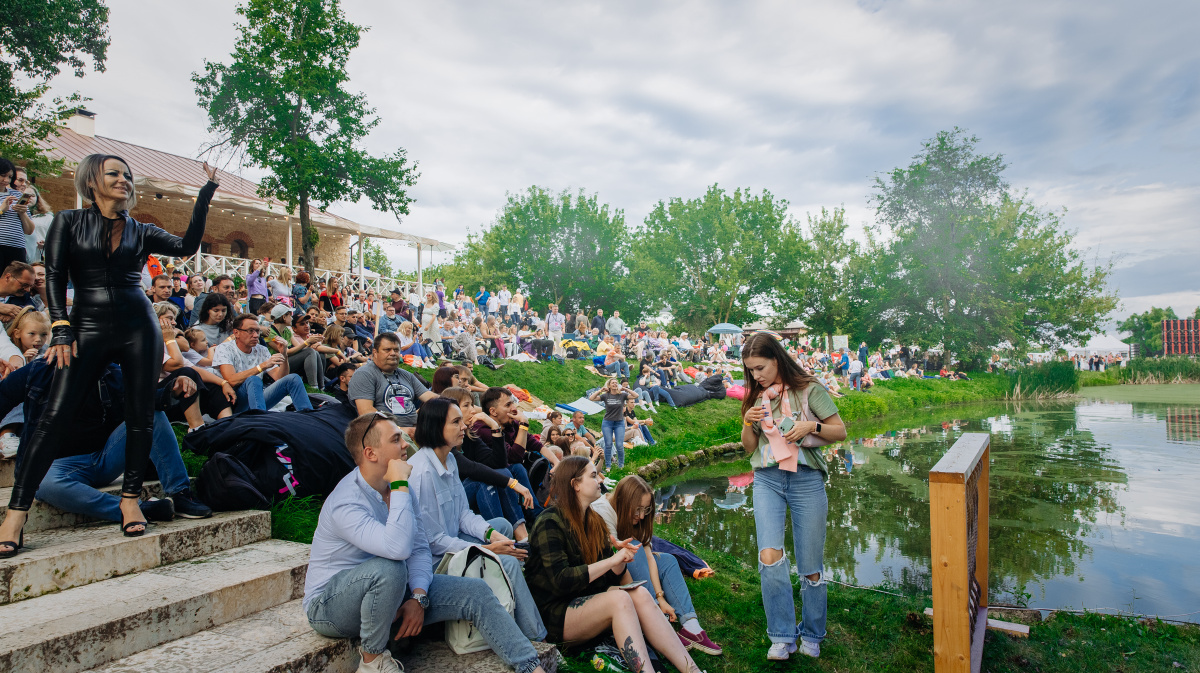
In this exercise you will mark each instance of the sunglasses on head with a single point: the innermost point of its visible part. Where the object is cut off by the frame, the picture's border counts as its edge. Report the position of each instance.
(374, 419)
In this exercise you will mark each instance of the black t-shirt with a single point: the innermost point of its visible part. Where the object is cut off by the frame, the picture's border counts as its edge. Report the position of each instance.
(614, 405)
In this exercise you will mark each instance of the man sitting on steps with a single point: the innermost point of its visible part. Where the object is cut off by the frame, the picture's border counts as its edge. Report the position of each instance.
(370, 563)
(96, 456)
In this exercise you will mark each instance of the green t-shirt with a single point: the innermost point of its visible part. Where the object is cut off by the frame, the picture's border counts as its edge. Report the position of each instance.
(820, 405)
(286, 334)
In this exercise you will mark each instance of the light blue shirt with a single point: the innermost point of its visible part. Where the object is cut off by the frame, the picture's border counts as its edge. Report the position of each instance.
(442, 503)
(387, 324)
(356, 526)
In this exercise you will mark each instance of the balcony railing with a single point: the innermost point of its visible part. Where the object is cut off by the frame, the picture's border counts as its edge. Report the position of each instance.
(207, 265)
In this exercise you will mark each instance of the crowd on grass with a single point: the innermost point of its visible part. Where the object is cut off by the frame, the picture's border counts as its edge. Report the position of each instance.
(443, 465)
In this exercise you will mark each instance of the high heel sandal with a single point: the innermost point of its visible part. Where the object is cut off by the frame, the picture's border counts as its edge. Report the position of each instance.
(13, 547)
(125, 527)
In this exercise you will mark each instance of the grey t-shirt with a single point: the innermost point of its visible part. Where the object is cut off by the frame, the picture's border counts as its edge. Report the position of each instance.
(614, 406)
(395, 393)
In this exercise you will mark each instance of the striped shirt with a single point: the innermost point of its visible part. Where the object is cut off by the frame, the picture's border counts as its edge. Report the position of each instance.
(12, 232)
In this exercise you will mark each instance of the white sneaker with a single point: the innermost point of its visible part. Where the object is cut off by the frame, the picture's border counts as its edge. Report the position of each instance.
(9, 444)
(384, 663)
(778, 651)
(810, 649)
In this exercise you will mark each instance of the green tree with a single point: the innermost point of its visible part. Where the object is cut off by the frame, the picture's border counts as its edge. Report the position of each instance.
(711, 259)
(282, 105)
(1145, 329)
(970, 265)
(37, 38)
(375, 259)
(565, 248)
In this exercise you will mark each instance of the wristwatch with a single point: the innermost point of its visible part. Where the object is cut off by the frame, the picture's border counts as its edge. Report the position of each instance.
(422, 600)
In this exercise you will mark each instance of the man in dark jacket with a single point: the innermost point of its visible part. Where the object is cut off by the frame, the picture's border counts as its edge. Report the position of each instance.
(96, 454)
(598, 321)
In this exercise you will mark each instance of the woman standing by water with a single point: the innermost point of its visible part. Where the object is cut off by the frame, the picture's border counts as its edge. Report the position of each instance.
(788, 473)
(102, 250)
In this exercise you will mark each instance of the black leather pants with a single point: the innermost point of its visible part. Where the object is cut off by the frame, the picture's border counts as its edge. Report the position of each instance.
(111, 324)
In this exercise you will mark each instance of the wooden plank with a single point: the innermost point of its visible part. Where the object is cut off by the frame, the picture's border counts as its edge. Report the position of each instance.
(951, 583)
(980, 636)
(958, 462)
(1010, 628)
(981, 535)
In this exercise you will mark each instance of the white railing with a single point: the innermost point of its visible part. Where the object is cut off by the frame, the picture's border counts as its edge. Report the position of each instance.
(209, 265)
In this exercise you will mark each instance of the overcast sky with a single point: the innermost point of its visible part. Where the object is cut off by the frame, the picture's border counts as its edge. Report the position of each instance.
(1096, 106)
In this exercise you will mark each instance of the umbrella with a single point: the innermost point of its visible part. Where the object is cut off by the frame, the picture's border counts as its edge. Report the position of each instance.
(725, 328)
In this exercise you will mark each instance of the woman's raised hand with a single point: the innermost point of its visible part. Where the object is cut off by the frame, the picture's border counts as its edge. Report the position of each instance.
(211, 172)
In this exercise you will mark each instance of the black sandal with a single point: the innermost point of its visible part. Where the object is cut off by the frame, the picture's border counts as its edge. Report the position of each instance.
(12, 547)
(125, 528)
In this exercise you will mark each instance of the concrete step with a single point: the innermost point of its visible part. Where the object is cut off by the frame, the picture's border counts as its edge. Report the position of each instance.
(61, 558)
(47, 517)
(8, 468)
(94, 624)
(279, 640)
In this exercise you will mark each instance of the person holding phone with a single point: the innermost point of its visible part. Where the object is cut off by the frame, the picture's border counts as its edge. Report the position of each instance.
(14, 204)
(789, 472)
(577, 573)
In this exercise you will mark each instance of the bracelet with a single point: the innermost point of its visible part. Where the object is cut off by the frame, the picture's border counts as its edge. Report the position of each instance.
(60, 323)
(748, 424)
(399, 484)
(488, 534)
(513, 484)
(259, 368)
(659, 594)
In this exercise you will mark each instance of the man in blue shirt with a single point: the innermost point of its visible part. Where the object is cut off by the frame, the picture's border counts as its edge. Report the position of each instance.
(370, 562)
(482, 298)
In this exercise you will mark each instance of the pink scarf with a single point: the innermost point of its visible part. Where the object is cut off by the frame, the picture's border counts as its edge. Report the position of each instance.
(785, 452)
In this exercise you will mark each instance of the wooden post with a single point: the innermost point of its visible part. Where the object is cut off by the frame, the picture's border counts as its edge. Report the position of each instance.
(955, 648)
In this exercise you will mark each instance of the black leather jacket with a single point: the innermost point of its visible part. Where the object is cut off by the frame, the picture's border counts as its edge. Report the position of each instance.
(78, 245)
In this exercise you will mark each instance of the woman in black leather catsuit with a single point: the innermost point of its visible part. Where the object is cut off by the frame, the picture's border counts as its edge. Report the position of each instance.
(111, 321)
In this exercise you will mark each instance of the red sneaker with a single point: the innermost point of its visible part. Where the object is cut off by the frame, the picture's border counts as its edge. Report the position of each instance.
(700, 641)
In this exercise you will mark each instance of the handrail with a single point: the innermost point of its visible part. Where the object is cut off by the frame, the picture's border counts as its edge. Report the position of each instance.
(209, 264)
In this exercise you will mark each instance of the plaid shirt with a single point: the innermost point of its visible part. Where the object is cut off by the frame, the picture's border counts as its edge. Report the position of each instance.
(556, 571)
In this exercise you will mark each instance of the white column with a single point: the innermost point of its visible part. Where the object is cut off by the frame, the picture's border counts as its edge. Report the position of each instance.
(360, 262)
(287, 222)
(420, 282)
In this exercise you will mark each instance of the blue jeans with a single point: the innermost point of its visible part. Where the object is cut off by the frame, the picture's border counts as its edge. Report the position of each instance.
(529, 620)
(614, 435)
(775, 491)
(620, 367)
(362, 602)
(71, 482)
(415, 349)
(522, 476)
(856, 380)
(491, 502)
(250, 394)
(646, 435)
(670, 577)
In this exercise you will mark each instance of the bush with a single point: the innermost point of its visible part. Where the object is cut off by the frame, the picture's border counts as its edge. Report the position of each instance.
(1177, 369)
(1044, 379)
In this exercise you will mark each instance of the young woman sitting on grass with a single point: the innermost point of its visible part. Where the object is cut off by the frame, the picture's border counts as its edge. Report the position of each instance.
(635, 427)
(410, 346)
(575, 572)
(628, 510)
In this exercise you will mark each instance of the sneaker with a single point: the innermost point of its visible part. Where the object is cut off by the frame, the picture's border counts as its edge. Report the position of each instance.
(780, 651)
(155, 509)
(700, 641)
(809, 648)
(9, 444)
(189, 508)
(384, 663)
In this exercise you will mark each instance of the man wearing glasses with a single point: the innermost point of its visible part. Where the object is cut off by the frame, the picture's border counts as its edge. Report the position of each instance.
(241, 361)
(380, 384)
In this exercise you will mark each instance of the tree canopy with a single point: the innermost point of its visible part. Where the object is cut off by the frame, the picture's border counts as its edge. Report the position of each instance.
(282, 105)
(1145, 329)
(37, 39)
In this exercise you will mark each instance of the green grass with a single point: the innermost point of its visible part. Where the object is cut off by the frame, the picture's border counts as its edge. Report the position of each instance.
(1175, 369)
(877, 633)
(1044, 379)
(1108, 377)
(295, 519)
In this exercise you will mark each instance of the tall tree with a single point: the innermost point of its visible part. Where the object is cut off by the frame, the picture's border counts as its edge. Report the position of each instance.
(37, 38)
(711, 259)
(565, 248)
(970, 265)
(282, 105)
(375, 258)
(1145, 329)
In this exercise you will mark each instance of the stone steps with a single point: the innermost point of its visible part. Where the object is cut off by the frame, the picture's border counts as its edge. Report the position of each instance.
(61, 558)
(92, 625)
(47, 517)
(8, 468)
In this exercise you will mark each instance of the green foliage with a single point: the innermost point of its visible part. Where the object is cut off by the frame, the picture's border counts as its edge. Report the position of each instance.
(1175, 369)
(38, 38)
(295, 519)
(563, 248)
(1145, 330)
(715, 258)
(1108, 377)
(970, 265)
(282, 105)
(1045, 378)
(375, 259)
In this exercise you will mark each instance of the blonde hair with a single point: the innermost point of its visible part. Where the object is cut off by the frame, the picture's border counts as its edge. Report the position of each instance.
(285, 275)
(29, 312)
(87, 174)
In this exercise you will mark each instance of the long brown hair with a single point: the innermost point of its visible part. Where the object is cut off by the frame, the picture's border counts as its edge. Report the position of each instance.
(586, 525)
(627, 497)
(763, 345)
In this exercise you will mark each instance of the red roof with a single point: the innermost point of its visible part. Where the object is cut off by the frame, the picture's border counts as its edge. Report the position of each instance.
(145, 162)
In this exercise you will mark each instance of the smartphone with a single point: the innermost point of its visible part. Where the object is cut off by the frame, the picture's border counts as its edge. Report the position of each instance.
(632, 585)
(24, 200)
(523, 544)
(786, 425)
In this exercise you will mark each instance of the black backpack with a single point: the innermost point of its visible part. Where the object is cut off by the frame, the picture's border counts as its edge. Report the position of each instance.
(226, 485)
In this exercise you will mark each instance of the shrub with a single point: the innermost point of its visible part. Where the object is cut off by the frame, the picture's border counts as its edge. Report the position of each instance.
(1044, 379)
(1176, 369)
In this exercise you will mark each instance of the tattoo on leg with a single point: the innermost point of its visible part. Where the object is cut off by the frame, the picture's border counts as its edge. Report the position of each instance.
(580, 601)
(631, 655)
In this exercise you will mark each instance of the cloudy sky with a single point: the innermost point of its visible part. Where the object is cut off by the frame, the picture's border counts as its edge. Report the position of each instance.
(1096, 106)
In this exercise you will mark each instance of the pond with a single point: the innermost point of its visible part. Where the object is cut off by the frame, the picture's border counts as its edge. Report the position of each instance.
(1095, 501)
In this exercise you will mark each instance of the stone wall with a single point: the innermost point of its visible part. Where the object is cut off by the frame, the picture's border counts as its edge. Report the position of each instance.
(226, 233)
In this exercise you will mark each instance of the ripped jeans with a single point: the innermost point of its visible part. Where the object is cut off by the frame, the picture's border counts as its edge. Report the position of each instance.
(775, 491)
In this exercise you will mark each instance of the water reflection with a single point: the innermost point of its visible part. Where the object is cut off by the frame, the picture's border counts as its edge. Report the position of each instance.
(1093, 503)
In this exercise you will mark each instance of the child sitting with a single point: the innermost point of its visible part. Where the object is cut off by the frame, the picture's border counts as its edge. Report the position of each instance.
(28, 332)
